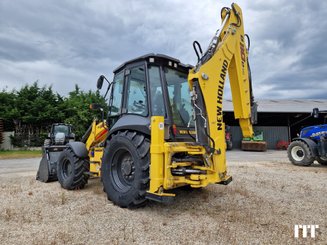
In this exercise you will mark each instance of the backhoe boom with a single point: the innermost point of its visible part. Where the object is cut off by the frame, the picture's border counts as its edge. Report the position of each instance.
(227, 53)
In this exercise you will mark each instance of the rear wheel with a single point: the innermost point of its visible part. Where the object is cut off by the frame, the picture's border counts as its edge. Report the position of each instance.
(299, 153)
(72, 170)
(125, 169)
(322, 160)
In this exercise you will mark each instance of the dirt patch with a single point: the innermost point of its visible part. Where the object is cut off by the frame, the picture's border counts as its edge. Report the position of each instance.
(261, 206)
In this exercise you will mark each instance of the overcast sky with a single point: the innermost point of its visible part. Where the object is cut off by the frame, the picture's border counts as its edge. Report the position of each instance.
(67, 42)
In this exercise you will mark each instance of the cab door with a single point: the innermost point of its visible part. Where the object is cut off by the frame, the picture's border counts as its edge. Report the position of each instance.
(116, 99)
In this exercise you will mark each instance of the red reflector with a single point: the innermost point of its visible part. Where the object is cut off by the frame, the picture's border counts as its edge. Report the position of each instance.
(174, 129)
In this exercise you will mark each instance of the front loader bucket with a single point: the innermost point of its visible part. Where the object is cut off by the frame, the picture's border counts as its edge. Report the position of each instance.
(43, 174)
(47, 171)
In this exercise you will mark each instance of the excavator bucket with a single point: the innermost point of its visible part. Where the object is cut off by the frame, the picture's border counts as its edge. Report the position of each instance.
(254, 144)
(47, 171)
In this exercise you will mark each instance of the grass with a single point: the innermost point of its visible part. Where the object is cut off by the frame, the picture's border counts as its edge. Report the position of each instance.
(4, 154)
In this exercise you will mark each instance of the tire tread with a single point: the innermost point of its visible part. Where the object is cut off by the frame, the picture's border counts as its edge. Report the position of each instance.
(81, 166)
(142, 147)
(308, 159)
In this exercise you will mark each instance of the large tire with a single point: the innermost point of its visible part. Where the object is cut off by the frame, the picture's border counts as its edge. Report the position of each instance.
(72, 170)
(125, 169)
(299, 153)
(322, 160)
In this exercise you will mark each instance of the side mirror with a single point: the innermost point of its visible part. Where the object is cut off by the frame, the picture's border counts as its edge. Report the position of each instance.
(315, 112)
(95, 106)
(100, 82)
(49, 135)
(72, 136)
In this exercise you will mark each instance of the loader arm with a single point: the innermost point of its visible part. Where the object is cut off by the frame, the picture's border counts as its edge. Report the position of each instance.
(226, 55)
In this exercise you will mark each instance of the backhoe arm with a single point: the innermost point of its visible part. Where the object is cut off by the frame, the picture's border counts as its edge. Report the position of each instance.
(226, 54)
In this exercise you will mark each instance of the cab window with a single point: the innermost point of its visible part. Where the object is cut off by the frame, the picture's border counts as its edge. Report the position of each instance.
(157, 100)
(136, 102)
(115, 108)
(61, 129)
(179, 97)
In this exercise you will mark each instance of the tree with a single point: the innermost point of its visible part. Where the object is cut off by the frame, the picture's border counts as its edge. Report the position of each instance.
(77, 110)
(32, 109)
(7, 109)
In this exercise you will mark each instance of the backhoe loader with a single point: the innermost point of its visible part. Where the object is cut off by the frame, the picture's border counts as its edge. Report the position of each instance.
(165, 126)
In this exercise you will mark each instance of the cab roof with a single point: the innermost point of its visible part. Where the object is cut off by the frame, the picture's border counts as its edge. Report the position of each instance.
(156, 58)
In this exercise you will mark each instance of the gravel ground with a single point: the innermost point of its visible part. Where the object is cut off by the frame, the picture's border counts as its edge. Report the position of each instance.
(267, 197)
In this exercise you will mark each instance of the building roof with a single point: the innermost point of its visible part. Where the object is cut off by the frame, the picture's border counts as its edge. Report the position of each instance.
(284, 106)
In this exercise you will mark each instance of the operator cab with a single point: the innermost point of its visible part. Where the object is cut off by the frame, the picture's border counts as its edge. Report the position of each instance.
(61, 130)
(153, 85)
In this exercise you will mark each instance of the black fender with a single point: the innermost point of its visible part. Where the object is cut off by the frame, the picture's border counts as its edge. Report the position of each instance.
(132, 123)
(312, 145)
(79, 149)
(141, 129)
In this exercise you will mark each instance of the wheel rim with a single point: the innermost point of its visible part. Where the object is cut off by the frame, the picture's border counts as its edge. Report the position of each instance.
(123, 169)
(67, 168)
(297, 153)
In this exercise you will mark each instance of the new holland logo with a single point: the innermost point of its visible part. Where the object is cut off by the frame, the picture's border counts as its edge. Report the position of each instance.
(319, 133)
(220, 94)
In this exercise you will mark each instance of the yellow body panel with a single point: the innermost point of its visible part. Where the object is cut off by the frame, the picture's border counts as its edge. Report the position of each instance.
(161, 177)
(157, 154)
(95, 160)
(98, 134)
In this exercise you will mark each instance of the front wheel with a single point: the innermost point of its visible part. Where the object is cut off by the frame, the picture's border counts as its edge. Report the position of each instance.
(322, 160)
(299, 153)
(125, 169)
(72, 170)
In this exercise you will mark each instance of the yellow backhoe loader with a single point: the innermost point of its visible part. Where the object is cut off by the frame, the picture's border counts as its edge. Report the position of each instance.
(165, 126)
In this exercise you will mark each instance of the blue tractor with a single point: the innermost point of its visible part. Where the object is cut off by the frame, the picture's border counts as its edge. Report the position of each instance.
(310, 145)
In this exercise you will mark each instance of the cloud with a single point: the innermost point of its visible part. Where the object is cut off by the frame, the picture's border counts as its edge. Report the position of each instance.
(67, 42)
(288, 48)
